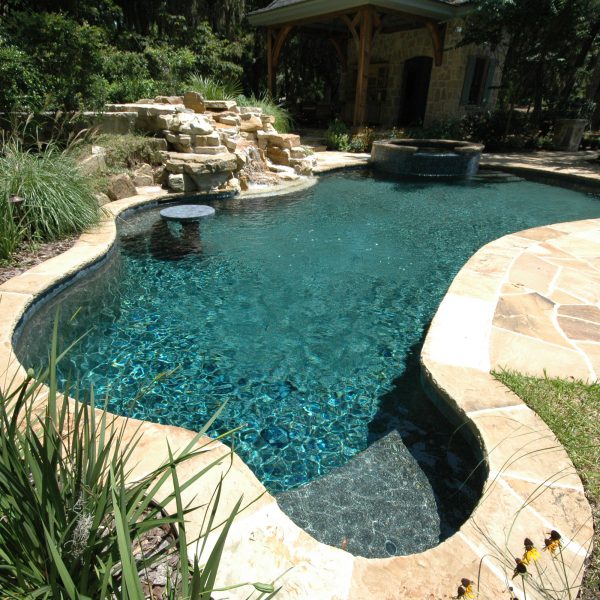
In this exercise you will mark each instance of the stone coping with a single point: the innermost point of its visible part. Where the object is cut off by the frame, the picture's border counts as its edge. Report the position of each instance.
(532, 485)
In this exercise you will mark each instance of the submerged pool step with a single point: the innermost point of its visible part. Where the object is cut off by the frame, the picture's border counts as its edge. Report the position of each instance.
(379, 504)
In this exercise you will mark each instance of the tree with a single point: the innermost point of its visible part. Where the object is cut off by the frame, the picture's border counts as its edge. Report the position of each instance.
(550, 48)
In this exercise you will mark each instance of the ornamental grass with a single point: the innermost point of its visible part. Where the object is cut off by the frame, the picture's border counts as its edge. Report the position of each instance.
(70, 513)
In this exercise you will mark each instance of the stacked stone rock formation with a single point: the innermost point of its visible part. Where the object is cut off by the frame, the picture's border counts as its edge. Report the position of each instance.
(212, 145)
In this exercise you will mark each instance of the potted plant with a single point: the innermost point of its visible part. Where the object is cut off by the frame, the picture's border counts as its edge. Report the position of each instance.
(570, 125)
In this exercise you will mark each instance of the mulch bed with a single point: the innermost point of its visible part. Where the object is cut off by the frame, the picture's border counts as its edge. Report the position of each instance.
(27, 258)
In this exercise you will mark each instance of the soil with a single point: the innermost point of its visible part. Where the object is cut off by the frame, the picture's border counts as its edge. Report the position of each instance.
(26, 258)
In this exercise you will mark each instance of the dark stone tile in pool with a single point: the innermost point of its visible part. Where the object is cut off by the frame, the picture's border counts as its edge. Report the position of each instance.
(378, 504)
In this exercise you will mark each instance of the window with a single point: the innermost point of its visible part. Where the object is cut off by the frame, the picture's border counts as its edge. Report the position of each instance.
(479, 76)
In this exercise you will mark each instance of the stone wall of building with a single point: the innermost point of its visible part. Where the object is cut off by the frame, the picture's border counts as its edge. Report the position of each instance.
(391, 51)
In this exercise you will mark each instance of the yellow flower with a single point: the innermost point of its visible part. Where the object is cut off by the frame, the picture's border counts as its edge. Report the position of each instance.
(531, 553)
(553, 543)
(465, 589)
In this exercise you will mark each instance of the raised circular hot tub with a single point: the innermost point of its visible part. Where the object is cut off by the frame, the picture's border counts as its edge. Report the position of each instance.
(426, 158)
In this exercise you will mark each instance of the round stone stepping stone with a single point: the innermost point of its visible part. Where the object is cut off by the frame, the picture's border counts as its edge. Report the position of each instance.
(187, 212)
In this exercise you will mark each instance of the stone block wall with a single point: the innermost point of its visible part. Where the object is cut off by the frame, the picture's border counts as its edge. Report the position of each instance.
(447, 80)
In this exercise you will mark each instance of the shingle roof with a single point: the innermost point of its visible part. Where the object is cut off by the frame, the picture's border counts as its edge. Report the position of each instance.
(279, 10)
(283, 3)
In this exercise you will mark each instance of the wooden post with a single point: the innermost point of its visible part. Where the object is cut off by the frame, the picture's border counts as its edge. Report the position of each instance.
(275, 42)
(364, 60)
(270, 70)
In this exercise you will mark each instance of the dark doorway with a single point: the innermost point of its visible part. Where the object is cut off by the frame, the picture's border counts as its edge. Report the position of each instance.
(415, 87)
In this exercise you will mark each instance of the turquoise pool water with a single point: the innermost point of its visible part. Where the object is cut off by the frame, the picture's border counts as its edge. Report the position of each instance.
(305, 312)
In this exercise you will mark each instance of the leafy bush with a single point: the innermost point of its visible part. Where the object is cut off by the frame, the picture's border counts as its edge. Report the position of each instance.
(129, 151)
(58, 198)
(338, 136)
(170, 67)
(70, 512)
(22, 86)
(444, 129)
(283, 119)
(66, 55)
(128, 76)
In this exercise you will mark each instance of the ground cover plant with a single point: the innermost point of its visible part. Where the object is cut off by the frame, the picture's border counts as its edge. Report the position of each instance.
(71, 515)
(572, 411)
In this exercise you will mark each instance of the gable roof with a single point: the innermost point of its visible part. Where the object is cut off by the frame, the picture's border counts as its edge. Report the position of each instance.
(285, 11)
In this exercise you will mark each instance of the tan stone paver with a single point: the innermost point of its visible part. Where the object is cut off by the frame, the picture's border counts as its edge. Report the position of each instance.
(581, 166)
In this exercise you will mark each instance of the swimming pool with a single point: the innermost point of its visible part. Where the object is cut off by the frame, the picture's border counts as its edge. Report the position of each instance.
(306, 313)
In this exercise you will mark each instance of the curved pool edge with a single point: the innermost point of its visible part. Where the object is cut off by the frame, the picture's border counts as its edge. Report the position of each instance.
(264, 542)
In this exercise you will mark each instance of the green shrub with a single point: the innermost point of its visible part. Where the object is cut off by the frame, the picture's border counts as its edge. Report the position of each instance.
(59, 199)
(22, 86)
(338, 136)
(70, 513)
(170, 67)
(128, 76)
(66, 55)
(128, 151)
(443, 129)
(363, 140)
(283, 119)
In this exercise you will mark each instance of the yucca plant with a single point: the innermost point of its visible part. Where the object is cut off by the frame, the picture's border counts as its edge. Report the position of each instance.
(70, 512)
(215, 89)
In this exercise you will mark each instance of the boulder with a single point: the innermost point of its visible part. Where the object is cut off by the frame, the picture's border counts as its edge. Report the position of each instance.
(284, 140)
(262, 138)
(250, 110)
(180, 182)
(212, 139)
(143, 176)
(220, 105)
(299, 152)
(199, 164)
(161, 175)
(231, 120)
(251, 123)
(303, 166)
(94, 163)
(120, 186)
(210, 149)
(195, 101)
(169, 100)
(280, 156)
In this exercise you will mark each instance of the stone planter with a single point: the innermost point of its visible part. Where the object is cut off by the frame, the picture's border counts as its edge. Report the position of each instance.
(568, 134)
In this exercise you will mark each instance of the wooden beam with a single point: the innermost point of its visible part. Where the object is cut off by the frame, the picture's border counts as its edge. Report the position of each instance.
(275, 41)
(341, 48)
(437, 37)
(364, 59)
(352, 27)
(281, 38)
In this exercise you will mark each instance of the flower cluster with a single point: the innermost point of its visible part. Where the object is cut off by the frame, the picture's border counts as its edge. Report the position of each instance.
(531, 555)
